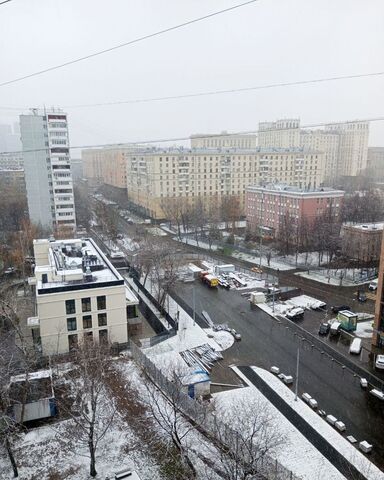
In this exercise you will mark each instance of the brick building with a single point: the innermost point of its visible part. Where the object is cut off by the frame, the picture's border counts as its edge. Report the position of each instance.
(378, 329)
(362, 242)
(266, 206)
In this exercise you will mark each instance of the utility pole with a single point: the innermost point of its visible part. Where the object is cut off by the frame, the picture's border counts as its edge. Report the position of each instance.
(297, 371)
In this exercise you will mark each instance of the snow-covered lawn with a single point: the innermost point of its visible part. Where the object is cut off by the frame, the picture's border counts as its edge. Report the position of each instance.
(332, 277)
(274, 263)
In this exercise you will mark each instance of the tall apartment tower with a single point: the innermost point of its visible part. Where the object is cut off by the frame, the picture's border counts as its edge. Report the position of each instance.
(284, 133)
(353, 147)
(44, 135)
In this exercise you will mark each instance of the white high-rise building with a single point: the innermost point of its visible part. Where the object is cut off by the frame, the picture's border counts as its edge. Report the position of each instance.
(47, 165)
(284, 133)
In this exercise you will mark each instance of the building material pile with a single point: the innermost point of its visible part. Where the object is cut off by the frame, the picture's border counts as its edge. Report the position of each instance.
(202, 356)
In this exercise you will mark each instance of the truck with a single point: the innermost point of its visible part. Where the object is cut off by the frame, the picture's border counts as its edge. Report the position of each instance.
(209, 279)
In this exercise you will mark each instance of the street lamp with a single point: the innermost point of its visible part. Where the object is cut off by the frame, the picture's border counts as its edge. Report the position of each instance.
(297, 371)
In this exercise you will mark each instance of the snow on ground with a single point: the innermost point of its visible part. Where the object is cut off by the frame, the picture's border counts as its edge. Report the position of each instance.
(192, 241)
(157, 232)
(332, 277)
(295, 453)
(340, 443)
(364, 329)
(129, 244)
(223, 338)
(274, 264)
(46, 453)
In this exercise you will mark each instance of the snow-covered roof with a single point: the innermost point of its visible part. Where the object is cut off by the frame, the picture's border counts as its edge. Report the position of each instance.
(73, 263)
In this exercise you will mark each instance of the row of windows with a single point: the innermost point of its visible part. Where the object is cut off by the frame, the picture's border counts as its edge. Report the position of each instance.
(86, 321)
(86, 304)
(73, 340)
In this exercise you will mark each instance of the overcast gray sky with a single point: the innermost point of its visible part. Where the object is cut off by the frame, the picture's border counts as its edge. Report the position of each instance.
(269, 41)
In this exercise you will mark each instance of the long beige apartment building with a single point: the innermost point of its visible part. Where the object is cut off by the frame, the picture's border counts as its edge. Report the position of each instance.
(223, 140)
(155, 176)
(105, 165)
(79, 296)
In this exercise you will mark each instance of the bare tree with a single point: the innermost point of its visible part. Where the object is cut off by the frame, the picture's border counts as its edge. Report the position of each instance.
(246, 436)
(166, 413)
(92, 411)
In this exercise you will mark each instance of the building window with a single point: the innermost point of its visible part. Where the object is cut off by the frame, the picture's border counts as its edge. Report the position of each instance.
(101, 302)
(103, 337)
(71, 324)
(102, 319)
(86, 304)
(70, 307)
(72, 342)
(87, 321)
(88, 336)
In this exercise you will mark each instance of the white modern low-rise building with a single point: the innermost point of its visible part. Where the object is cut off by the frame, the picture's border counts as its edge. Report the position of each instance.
(79, 295)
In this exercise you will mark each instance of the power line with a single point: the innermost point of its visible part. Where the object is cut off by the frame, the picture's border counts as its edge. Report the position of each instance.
(178, 139)
(231, 90)
(216, 92)
(5, 1)
(131, 42)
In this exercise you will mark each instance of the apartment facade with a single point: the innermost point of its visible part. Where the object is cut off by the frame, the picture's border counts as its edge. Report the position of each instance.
(105, 166)
(267, 206)
(327, 142)
(284, 133)
(13, 179)
(79, 296)
(345, 145)
(375, 163)
(47, 167)
(155, 176)
(362, 242)
(223, 140)
(353, 147)
(378, 328)
(11, 160)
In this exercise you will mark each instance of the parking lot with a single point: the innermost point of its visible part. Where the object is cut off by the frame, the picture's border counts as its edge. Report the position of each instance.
(266, 342)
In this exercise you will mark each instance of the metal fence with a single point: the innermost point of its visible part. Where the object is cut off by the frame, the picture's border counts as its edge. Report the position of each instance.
(205, 420)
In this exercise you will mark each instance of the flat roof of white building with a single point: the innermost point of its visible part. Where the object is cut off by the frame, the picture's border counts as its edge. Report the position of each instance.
(74, 264)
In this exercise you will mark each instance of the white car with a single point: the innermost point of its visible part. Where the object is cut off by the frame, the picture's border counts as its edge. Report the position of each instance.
(379, 363)
(373, 285)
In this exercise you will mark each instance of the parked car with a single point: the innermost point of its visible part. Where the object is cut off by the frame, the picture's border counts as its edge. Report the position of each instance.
(379, 363)
(361, 297)
(339, 308)
(9, 270)
(256, 270)
(335, 328)
(373, 285)
(355, 346)
(324, 328)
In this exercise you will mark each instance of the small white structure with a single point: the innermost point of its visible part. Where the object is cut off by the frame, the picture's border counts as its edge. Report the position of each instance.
(219, 269)
(257, 297)
(275, 370)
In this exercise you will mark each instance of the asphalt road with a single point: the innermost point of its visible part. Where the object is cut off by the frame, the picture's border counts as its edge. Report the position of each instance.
(265, 342)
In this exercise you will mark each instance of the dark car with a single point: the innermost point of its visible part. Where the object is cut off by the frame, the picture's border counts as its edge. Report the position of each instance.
(339, 308)
(324, 328)
(361, 297)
